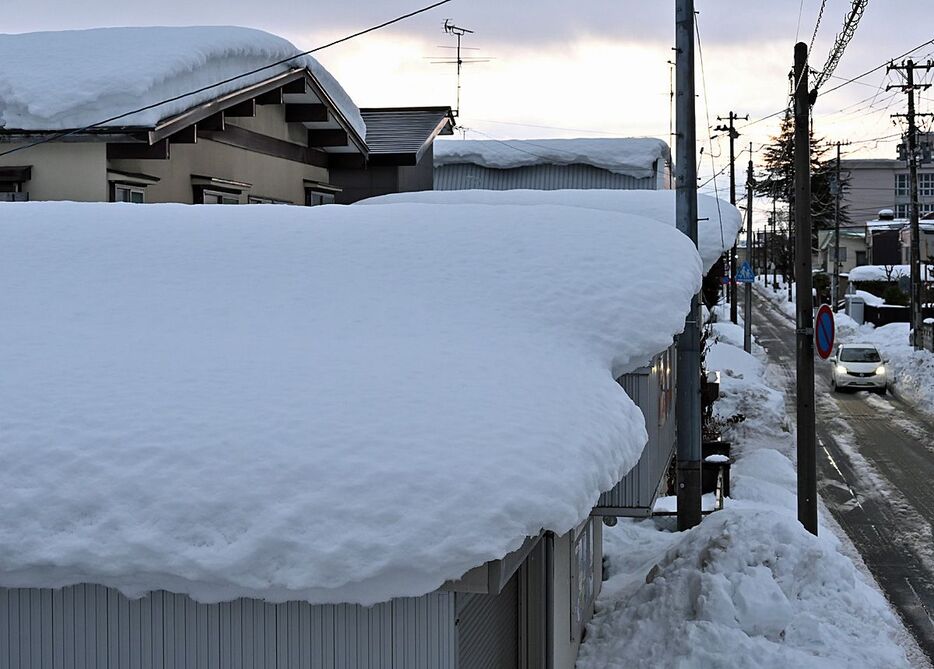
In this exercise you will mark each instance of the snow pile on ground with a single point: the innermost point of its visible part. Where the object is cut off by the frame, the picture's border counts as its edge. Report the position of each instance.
(74, 78)
(748, 586)
(717, 228)
(633, 156)
(886, 272)
(336, 404)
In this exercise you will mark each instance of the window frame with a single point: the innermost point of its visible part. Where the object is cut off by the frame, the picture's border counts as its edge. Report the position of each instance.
(130, 189)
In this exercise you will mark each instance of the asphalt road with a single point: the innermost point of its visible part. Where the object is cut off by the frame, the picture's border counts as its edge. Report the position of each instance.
(875, 475)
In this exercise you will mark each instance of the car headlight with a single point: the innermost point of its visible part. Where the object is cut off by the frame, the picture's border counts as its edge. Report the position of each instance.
(841, 369)
(880, 370)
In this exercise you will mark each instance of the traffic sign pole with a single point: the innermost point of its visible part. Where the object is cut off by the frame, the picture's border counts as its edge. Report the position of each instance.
(825, 331)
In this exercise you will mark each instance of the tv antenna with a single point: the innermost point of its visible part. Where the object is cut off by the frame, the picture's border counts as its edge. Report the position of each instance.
(459, 59)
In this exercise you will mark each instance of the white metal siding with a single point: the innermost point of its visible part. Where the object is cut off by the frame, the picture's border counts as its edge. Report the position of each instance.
(464, 176)
(635, 493)
(93, 627)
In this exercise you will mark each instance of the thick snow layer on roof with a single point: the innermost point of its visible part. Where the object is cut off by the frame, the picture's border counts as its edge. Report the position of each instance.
(75, 78)
(885, 272)
(633, 156)
(713, 238)
(337, 404)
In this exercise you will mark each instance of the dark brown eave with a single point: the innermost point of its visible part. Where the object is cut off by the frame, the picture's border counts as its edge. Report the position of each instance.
(399, 145)
(176, 123)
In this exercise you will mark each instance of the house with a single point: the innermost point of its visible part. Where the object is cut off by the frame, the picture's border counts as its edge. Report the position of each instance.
(883, 238)
(853, 250)
(284, 132)
(925, 241)
(294, 437)
(642, 163)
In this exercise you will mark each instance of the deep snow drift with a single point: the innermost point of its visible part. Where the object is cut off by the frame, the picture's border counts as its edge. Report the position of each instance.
(632, 156)
(717, 228)
(749, 586)
(338, 404)
(73, 78)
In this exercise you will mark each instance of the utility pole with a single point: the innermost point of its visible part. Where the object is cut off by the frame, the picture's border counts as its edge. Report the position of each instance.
(774, 252)
(747, 289)
(807, 452)
(733, 134)
(909, 66)
(688, 405)
(835, 284)
(790, 260)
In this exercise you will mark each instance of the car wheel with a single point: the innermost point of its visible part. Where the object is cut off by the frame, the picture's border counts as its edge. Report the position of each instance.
(833, 385)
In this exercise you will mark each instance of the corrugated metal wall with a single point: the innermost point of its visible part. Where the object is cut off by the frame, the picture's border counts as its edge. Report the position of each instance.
(488, 629)
(536, 177)
(635, 494)
(93, 627)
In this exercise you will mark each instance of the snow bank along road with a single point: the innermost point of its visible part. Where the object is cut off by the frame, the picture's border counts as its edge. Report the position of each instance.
(876, 467)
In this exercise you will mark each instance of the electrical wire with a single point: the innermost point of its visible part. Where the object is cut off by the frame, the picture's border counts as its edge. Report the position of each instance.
(359, 33)
(700, 53)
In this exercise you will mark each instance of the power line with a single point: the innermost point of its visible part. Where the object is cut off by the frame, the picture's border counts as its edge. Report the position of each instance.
(228, 80)
(700, 53)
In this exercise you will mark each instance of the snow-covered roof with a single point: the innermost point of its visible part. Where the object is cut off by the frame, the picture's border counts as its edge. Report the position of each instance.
(74, 78)
(633, 156)
(885, 272)
(336, 404)
(717, 228)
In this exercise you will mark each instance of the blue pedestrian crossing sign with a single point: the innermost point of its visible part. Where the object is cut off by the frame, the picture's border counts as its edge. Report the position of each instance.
(745, 274)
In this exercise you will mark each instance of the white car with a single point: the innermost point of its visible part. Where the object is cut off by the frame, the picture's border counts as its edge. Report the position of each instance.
(858, 366)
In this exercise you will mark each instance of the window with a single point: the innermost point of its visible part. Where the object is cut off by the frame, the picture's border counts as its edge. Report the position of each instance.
(217, 190)
(904, 210)
(860, 258)
(313, 198)
(215, 197)
(901, 184)
(842, 257)
(258, 199)
(926, 184)
(125, 193)
(12, 183)
(318, 192)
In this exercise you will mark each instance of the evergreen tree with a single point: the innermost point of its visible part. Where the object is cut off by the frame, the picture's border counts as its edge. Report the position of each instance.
(780, 171)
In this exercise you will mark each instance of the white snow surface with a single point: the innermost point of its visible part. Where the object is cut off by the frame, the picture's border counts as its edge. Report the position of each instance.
(719, 225)
(632, 156)
(331, 404)
(748, 586)
(70, 79)
(881, 272)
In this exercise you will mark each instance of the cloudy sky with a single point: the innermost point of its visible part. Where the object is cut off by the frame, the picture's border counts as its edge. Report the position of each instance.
(558, 69)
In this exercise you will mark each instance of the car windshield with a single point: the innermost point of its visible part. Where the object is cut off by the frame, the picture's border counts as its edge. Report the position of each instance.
(859, 355)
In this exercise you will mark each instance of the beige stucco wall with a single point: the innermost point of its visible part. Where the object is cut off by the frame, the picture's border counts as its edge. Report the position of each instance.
(63, 170)
(269, 176)
(270, 121)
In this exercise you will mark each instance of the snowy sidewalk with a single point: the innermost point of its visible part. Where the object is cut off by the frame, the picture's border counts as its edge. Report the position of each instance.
(749, 586)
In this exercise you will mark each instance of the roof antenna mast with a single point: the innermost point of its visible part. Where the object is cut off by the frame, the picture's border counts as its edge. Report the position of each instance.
(459, 59)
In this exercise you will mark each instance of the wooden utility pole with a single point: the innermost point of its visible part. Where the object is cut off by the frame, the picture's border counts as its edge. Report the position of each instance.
(837, 187)
(909, 67)
(688, 405)
(733, 134)
(747, 289)
(807, 452)
(774, 252)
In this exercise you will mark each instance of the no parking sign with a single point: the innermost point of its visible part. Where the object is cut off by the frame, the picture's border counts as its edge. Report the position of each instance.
(824, 331)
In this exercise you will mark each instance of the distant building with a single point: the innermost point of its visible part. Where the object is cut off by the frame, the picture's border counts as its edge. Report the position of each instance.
(882, 183)
(641, 163)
